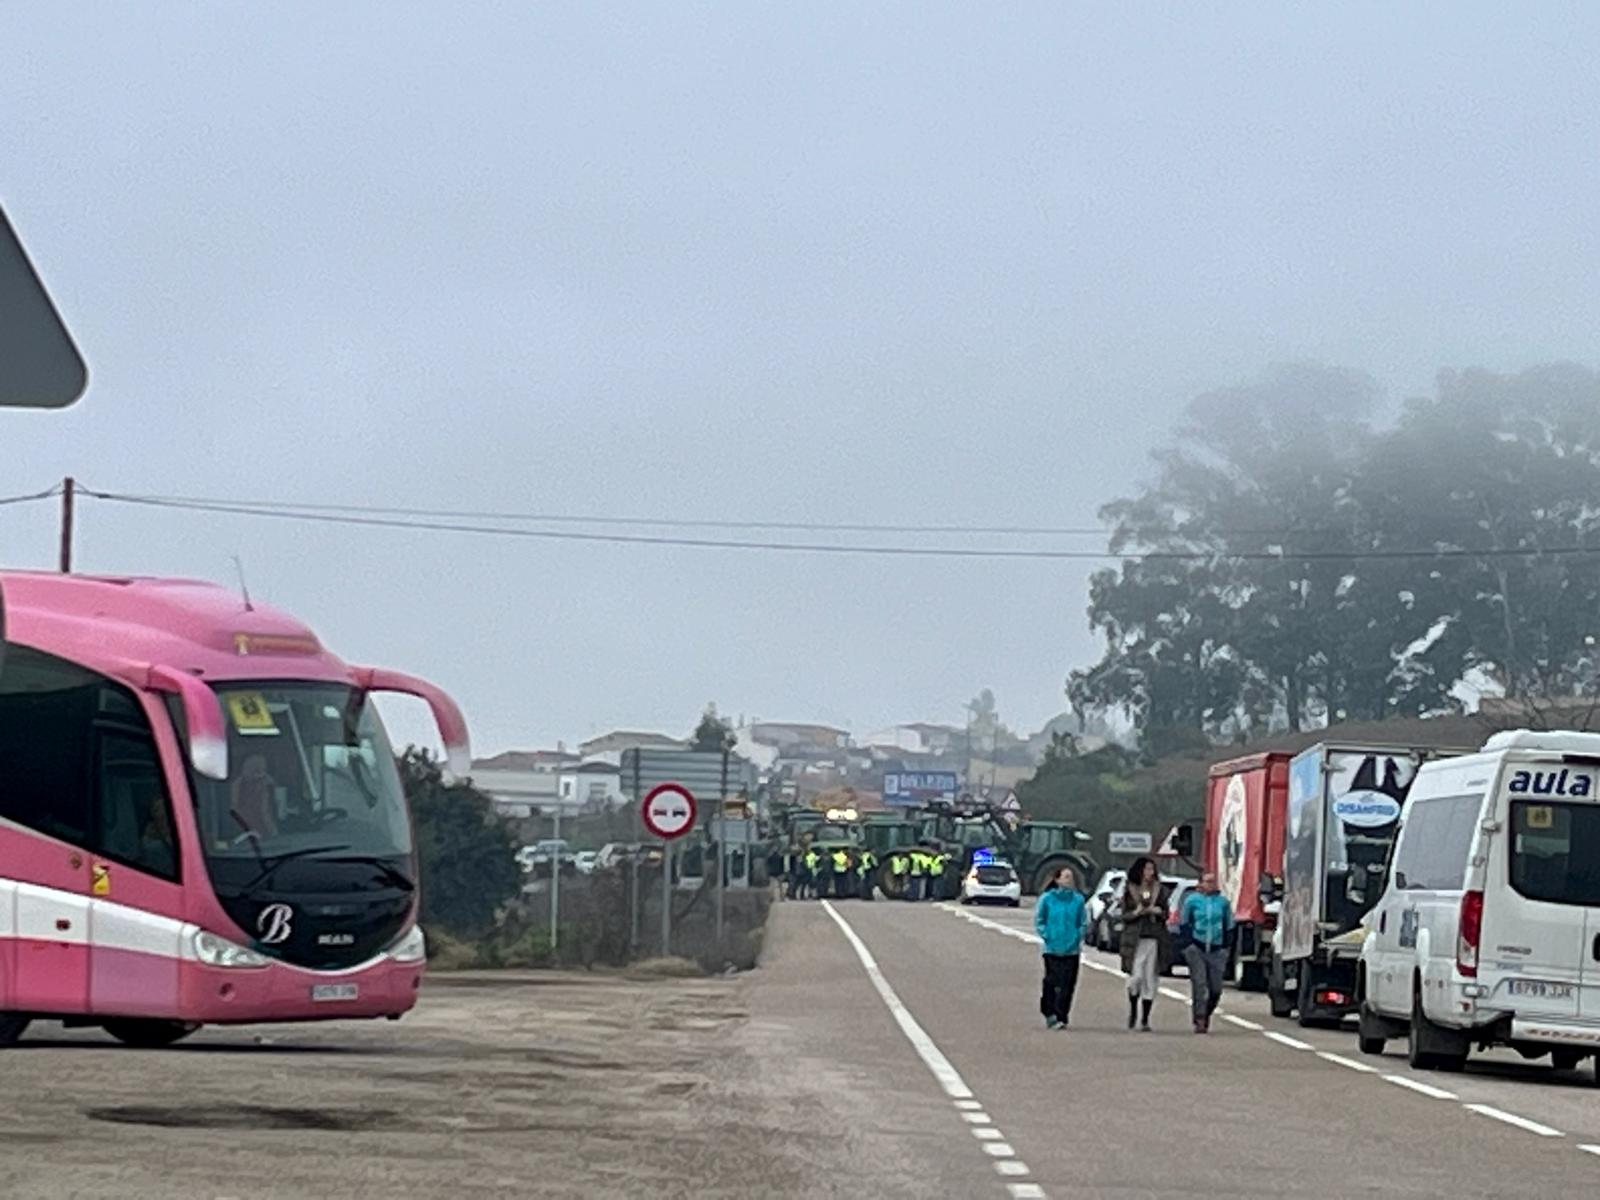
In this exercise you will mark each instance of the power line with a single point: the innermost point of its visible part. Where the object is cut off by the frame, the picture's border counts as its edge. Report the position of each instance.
(30, 497)
(972, 552)
(545, 518)
(660, 522)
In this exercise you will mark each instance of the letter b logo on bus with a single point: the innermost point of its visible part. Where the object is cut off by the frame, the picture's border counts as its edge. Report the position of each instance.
(273, 925)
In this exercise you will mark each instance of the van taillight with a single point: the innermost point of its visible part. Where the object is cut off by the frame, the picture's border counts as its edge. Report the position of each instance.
(1471, 932)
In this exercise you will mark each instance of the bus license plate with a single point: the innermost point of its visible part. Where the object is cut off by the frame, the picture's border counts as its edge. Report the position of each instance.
(1540, 990)
(334, 991)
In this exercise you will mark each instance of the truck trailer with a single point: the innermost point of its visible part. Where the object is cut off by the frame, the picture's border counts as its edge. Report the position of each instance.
(1246, 800)
(1343, 806)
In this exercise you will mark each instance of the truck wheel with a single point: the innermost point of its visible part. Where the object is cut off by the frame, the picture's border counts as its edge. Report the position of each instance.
(1281, 1002)
(11, 1027)
(1369, 1035)
(150, 1035)
(1565, 1060)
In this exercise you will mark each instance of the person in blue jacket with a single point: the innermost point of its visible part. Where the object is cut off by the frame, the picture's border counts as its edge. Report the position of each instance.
(1060, 918)
(1205, 924)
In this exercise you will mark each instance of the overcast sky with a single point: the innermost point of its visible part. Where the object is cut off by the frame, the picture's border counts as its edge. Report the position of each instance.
(921, 263)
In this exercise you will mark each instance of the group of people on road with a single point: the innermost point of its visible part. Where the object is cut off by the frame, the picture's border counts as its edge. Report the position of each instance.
(811, 872)
(1205, 929)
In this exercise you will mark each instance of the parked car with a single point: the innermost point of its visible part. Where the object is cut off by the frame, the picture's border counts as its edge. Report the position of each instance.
(614, 855)
(584, 861)
(1101, 901)
(993, 881)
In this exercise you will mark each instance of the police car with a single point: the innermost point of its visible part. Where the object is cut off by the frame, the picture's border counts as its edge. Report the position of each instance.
(991, 880)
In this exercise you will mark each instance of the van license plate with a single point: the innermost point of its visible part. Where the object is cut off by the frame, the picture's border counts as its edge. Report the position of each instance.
(1540, 990)
(334, 991)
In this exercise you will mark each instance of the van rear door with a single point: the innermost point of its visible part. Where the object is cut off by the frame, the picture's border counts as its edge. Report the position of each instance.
(1538, 933)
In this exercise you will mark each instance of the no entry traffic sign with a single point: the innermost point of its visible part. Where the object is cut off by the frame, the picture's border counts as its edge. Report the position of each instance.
(668, 810)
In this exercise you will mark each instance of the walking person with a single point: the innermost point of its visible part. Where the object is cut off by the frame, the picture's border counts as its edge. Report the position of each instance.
(1060, 918)
(1206, 924)
(1144, 942)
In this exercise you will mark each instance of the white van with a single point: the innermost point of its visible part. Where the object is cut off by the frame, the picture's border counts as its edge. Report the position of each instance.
(1488, 931)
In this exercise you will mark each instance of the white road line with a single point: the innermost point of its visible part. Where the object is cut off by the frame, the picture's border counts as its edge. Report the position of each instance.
(932, 1057)
(969, 1105)
(1174, 994)
(985, 1133)
(1241, 1023)
(1341, 1060)
(1283, 1039)
(999, 1150)
(1025, 1191)
(1013, 1166)
(1485, 1110)
(1426, 1089)
(1595, 1150)
(977, 1118)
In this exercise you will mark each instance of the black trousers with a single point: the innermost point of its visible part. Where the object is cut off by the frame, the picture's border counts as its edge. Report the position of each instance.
(1060, 983)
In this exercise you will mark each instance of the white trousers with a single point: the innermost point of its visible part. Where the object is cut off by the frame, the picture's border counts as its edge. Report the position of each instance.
(1142, 980)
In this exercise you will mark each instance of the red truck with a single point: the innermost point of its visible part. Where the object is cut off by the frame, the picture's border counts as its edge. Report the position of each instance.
(1247, 804)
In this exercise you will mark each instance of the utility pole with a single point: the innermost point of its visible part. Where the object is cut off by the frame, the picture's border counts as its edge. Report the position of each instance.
(68, 487)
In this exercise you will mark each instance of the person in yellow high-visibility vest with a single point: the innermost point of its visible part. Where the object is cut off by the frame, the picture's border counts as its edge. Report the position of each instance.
(866, 873)
(899, 869)
(841, 872)
(919, 872)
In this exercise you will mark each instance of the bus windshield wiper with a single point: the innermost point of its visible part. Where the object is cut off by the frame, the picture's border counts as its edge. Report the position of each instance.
(393, 874)
(271, 862)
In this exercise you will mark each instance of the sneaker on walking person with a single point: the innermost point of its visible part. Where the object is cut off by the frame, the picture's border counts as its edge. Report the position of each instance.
(1144, 942)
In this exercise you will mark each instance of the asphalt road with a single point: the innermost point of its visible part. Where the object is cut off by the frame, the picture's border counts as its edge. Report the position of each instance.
(882, 1050)
(1259, 1107)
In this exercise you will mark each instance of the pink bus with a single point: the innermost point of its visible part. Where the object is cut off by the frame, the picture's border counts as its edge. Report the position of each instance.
(200, 817)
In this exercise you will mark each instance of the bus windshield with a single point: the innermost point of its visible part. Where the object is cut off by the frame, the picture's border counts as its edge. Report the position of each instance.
(310, 772)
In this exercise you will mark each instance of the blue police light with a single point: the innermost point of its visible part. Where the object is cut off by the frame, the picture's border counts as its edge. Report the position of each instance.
(982, 857)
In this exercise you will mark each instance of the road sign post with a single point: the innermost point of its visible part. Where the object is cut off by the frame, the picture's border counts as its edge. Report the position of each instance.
(668, 811)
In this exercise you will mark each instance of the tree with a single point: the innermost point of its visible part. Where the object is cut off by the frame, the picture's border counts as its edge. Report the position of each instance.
(713, 733)
(468, 863)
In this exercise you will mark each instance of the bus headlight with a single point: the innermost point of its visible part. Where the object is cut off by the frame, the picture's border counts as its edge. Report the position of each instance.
(217, 951)
(411, 948)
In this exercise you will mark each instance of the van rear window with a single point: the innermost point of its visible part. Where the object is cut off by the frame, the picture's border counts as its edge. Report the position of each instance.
(1555, 852)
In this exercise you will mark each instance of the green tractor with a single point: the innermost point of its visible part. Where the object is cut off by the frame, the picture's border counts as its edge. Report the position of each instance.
(1037, 849)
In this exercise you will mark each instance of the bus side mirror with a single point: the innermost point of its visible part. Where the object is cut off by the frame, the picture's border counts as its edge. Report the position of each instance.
(202, 714)
(452, 725)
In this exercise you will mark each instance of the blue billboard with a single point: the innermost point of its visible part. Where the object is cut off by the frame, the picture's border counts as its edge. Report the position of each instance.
(919, 787)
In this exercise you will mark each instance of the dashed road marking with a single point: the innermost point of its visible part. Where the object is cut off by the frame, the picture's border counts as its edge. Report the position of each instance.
(1416, 1085)
(970, 1105)
(1013, 1166)
(1242, 1023)
(999, 1150)
(1025, 1191)
(977, 1118)
(987, 1133)
(1341, 1060)
(1499, 1114)
(1174, 994)
(1595, 1150)
(1283, 1039)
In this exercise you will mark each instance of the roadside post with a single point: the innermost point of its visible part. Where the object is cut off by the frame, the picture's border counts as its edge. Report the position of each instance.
(722, 830)
(668, 811)
(555, 884)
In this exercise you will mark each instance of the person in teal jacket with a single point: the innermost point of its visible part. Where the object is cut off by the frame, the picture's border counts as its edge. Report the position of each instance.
(1205, 924)
(1061, 919)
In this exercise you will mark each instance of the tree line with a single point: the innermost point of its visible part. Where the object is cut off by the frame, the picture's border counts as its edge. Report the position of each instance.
(1298, 560)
